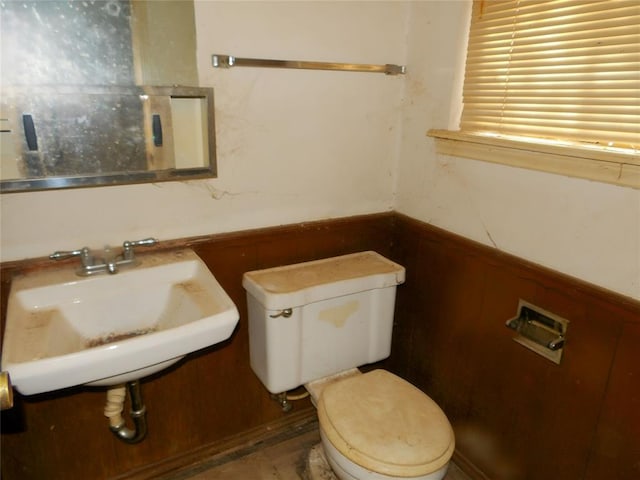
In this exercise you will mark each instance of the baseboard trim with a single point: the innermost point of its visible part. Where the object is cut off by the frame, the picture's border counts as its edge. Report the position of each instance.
(217, 453)
(464, 464)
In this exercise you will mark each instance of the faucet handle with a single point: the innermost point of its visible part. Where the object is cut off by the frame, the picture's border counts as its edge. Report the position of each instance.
(127, 246)
(84, 254)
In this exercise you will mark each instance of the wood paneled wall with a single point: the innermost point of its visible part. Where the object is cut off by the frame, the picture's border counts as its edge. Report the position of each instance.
(204, 399)
(516, 415)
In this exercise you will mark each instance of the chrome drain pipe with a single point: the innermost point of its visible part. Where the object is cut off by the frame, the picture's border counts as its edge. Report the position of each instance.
(113, 410)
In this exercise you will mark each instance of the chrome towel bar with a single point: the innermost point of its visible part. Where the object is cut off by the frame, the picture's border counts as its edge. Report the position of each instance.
(228, 61)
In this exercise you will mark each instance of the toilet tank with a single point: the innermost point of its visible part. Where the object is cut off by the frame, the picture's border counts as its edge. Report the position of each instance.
(314, 319)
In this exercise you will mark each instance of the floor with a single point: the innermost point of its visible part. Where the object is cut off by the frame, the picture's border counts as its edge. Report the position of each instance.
(282, 460)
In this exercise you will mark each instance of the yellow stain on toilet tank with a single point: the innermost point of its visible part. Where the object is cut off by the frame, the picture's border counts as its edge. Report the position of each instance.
(337, 316)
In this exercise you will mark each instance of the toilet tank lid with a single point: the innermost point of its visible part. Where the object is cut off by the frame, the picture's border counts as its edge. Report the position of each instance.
(293, 285)
(386, 425)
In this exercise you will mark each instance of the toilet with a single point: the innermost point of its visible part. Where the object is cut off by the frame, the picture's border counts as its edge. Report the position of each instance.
(314, 324)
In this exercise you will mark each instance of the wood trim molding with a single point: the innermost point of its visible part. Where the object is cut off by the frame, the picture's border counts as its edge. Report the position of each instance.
(44, 262)
(559, 279)
(607, 167)
(222, 451)
(391, 219)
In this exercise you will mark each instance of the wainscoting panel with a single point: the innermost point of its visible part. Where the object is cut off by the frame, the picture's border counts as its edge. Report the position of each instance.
(208, 397)
(517, 415)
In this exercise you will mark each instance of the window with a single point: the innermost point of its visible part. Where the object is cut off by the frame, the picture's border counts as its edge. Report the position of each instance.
(553, 85)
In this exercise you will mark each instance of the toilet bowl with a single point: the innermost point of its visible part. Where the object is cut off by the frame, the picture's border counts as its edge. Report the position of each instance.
(377, 426)
(313, 324)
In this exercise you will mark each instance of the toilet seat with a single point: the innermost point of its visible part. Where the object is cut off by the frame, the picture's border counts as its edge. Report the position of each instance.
(386, 425)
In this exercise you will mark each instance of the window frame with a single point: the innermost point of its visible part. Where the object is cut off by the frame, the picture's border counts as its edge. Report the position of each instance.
(574, 160)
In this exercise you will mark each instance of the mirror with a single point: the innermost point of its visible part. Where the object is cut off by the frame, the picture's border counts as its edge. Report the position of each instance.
(89, 95)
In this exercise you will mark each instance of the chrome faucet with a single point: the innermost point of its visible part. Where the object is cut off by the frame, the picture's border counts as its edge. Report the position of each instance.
(109, 263)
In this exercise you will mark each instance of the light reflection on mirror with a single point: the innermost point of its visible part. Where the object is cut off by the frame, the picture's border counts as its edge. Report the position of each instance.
(89, 94)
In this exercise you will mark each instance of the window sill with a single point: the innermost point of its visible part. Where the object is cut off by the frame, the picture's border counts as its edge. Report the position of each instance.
(608, 167)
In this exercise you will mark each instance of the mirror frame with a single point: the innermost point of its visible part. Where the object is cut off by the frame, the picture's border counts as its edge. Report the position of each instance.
(134, 177)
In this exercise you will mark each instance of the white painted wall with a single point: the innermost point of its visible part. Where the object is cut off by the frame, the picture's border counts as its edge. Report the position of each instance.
(298, 146)
(293, 146)
(585, 229)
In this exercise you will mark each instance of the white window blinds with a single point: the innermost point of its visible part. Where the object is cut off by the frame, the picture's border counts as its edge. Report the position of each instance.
(560, 70)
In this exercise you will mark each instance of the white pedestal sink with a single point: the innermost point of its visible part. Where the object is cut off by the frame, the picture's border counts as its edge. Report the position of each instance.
(64, 330)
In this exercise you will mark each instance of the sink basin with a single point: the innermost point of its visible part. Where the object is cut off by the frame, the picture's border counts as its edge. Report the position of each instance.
(64, 330)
